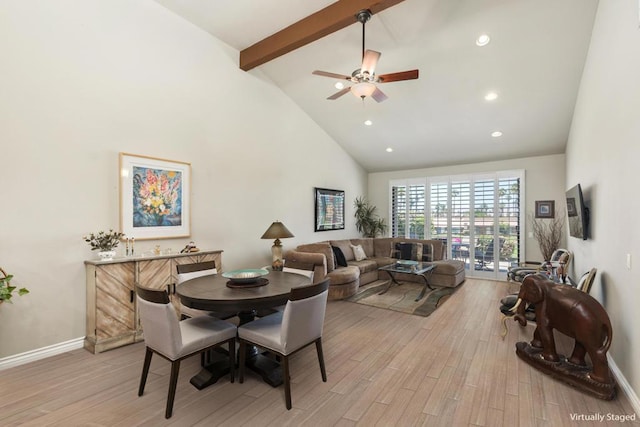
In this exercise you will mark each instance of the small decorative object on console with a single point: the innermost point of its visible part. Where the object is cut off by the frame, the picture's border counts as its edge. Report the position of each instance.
(189, 248)
(105, 243)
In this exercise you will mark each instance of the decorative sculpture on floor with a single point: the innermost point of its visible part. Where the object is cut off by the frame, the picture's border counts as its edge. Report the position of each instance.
(577, 315)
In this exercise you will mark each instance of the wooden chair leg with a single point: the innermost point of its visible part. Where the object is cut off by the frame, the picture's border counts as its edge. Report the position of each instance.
(321, 359)
(287, 381)
(241, 360)
(145, 370)
(173, 381)
(232, 359)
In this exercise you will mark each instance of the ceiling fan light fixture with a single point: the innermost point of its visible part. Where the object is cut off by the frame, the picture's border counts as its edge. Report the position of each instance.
(362, 90)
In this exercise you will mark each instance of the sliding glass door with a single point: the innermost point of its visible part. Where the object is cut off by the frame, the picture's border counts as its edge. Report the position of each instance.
(477, 216)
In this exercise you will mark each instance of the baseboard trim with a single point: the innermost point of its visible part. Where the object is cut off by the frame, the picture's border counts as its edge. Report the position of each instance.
(41, 353)
(624, 385)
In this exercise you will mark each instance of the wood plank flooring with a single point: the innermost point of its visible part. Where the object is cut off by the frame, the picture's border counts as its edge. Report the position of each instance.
(384, 368)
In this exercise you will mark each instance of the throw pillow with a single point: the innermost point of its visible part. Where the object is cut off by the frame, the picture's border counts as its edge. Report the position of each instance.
(358, 252)
(427, 252)
(409, 251)
(339, 256)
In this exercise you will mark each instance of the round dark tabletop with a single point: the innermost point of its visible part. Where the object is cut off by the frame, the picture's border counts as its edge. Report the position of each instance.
(212, 293)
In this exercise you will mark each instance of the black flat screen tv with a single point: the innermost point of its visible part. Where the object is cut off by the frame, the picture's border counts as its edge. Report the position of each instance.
(577, 213)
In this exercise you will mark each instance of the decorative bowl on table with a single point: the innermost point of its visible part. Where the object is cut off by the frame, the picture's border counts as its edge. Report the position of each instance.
(247, 275)
(406, 262)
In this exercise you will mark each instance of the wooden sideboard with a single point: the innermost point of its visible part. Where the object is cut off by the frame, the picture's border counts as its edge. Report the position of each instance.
(112, 318)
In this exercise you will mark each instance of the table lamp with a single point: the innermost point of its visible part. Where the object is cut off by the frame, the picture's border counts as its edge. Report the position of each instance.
(277, 231)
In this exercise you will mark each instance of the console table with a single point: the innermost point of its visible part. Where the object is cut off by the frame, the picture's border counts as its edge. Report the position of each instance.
(112, 318)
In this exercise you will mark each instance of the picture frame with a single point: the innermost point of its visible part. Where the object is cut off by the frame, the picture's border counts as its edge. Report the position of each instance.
(545, 209)
(329, 209)
(155, 200)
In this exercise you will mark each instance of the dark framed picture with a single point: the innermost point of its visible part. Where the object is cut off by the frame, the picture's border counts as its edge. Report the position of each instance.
(329, 209)
(545, 208)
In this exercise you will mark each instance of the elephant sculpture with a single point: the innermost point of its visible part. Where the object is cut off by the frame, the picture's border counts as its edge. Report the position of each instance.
(572, 312)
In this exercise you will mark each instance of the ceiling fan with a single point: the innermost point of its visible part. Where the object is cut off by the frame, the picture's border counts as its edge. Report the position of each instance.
(364, 78)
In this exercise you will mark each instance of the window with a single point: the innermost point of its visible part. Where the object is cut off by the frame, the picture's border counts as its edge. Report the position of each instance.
(478, 216)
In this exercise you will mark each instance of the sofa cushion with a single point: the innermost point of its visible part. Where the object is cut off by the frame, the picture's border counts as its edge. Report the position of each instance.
(323, 248)
(345, 246)
(365, 266)
(343, 275)
(367, 245)
(382, 247)
(341, 261)
(358, 252)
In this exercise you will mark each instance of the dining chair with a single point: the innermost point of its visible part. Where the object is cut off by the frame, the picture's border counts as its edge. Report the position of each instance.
(286, 332)
(192, 271)
(175, 339)
(586, 281)
(291, 266)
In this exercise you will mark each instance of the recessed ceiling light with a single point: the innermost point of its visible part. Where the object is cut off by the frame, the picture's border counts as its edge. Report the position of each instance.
(339, 85)
(491, 96)
(483, 40)
(389, 149)
(496, 134)
(368, 122)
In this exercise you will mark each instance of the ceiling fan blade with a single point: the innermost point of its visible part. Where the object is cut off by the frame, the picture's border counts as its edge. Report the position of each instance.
(378, 95)
(395, 77)
(339, 93)
(369, 61)
(332, 75)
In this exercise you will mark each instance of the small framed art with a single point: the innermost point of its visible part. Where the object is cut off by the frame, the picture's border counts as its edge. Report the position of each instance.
(154, 197)
(329, 208)
(545, 208)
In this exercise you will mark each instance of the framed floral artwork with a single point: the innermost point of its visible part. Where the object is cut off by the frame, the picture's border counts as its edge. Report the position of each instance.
(154, 197)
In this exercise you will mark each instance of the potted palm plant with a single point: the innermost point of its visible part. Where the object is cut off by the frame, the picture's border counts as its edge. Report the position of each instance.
(6, 290)
(367, 221)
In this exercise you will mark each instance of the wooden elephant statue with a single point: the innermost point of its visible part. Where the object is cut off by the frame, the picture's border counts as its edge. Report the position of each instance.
(575, 314)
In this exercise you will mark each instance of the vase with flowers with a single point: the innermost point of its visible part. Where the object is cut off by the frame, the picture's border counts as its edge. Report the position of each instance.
(104, 243)
(6, 290)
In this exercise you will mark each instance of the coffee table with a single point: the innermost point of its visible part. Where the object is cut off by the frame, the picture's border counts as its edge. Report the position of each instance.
(417, 268)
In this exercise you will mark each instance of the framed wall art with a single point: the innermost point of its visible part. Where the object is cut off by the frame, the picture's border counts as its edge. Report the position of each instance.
(545, 208)
(154, 197)
(329, 209)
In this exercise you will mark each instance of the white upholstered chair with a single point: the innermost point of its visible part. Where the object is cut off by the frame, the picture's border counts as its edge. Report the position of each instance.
(176, 340)
(285, 332)
(191, 271)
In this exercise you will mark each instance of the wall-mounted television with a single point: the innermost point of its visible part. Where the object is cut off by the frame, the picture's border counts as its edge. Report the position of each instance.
(578, 213)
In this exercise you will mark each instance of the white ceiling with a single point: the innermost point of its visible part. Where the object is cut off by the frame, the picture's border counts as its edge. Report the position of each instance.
(534, 63)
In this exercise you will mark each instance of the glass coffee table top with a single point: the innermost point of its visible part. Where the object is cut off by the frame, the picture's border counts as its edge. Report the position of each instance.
(412, 267)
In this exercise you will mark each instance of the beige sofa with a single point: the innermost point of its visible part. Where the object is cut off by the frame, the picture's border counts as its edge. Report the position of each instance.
(345, 280)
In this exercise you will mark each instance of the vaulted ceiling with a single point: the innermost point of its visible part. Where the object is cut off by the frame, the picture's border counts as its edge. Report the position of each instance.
(533, 62)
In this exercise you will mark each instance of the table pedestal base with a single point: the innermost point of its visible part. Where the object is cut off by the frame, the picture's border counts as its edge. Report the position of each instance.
(216, 368)
(268, 368)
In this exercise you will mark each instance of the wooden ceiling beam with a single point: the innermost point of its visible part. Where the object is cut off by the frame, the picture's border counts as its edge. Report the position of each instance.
(326, 21)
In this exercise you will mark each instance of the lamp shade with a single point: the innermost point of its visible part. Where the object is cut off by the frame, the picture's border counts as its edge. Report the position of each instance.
(277, 230)
(362, 90)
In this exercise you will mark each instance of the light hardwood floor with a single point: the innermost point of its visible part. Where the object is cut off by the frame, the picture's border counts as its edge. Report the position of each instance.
(384, 368)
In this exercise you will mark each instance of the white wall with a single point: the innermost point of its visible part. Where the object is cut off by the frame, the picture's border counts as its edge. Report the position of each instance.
(603, 154)
(85, 79)
(544, 177)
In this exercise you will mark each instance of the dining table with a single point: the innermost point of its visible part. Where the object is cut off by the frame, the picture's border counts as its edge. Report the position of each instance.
(219, 294)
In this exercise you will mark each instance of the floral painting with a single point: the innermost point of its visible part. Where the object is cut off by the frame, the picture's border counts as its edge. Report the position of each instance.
(154, 199)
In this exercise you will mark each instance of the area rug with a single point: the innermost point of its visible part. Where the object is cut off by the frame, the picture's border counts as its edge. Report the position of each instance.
(402, 298)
